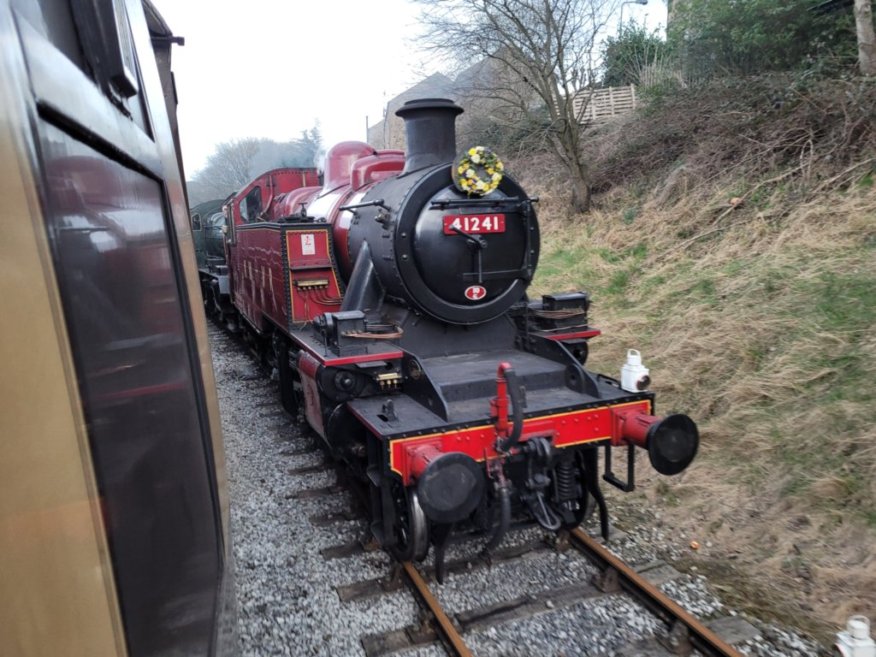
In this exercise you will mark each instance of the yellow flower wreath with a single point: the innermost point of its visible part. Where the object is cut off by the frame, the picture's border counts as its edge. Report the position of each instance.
(477, 171)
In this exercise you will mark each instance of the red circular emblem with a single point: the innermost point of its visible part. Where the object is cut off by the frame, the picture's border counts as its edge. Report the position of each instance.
(475, 292)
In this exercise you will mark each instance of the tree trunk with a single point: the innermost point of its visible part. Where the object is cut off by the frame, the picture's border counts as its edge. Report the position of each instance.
(580, 183)
(671, 10)
(568, 149)
(866, 37)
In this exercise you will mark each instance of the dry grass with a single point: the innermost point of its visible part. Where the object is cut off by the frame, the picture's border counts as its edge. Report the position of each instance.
(757, 317)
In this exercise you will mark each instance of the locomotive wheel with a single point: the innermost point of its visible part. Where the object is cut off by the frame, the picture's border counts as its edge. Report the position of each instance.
(411, 525)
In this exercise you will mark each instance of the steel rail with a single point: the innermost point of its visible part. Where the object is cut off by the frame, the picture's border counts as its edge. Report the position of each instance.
(700, 636)
(452, 638)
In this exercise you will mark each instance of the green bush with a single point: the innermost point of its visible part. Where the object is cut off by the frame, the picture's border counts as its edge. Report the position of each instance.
(632, 51)
(747, 37)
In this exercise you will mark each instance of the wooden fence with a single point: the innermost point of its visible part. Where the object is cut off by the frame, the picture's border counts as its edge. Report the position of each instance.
(598, 105)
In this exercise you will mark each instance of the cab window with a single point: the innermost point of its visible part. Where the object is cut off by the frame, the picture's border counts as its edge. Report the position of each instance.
(253, 204)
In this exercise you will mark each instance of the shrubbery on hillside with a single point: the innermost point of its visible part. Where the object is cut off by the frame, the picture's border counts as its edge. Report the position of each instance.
(733, 241)
(747, 37)
(751, 126)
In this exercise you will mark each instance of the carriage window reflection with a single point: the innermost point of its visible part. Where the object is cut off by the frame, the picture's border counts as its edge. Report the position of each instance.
(124, 312)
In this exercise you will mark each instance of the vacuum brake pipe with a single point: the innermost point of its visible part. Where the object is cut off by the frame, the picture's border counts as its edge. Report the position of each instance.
(507, 385)
(503, 492)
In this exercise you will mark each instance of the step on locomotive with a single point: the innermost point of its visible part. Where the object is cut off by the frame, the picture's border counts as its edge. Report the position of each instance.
(393, 306)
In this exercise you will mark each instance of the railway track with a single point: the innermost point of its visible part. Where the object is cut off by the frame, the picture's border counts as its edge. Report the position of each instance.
(678, 632)
(684, 632)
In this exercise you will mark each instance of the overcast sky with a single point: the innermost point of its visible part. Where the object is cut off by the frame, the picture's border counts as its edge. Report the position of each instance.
(272, 68)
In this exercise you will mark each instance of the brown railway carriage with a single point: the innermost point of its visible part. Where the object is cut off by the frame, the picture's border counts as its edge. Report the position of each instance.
(113, 517)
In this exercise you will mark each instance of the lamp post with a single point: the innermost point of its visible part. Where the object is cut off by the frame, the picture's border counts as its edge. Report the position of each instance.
(620, 23)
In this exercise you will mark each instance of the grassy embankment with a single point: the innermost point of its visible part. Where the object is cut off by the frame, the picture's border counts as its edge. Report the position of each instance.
(733, 242)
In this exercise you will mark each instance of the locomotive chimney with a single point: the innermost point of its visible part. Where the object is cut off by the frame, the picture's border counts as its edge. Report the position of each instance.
(430, 132)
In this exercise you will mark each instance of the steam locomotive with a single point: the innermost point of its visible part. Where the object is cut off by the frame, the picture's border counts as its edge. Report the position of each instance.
(393, 306)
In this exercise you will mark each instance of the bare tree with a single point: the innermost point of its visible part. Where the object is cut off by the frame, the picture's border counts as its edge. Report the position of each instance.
(228, 168)
(866, 37)
(543, 53)
(235, 163)
(198, 193)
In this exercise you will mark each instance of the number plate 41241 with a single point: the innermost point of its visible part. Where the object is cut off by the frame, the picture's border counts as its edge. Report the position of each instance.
(474, 224)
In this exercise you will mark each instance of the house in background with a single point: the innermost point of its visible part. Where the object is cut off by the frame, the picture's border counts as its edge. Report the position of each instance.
(467, 90)
(390, 132)
(471, 89)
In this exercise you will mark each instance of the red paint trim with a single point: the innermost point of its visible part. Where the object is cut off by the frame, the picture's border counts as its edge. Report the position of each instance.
(308, 368)
(365, 358)
(592, 333)
(307, 365)
(347, 360)
(568, 429)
